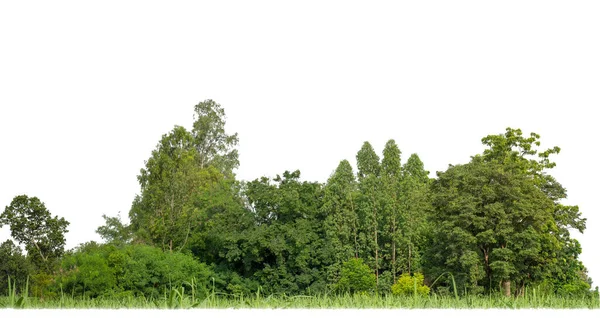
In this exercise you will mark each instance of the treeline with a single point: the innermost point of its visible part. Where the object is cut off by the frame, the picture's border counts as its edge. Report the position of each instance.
(494, 224)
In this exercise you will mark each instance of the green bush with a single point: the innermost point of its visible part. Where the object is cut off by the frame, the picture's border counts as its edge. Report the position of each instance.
(86, 273)
(410, 285)
(94, 270)
(13, 264)
(356, 277)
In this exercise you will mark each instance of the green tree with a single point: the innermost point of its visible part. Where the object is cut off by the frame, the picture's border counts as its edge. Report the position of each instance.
(495, 217)
(31, 224)
(415, 206)
(391, 177)
(512, 148)
(181, 170)
(222, 226)
(285, 247)
(214, 146)
(341, 221)
(163, 214)
(14, 265)
(369, 203)
(114, 231)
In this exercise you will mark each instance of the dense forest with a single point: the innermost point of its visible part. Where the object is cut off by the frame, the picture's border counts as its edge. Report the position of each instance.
(495, 224)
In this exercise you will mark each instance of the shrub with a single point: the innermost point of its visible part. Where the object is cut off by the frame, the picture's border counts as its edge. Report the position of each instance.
(13, 264)
(356, 277)
(94, 270)
(410, 285)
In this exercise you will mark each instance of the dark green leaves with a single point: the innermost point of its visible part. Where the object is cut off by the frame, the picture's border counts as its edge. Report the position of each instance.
(32, 225)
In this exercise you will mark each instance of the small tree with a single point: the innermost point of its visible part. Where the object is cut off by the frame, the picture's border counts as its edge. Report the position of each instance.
(32, 225)
(356, 277)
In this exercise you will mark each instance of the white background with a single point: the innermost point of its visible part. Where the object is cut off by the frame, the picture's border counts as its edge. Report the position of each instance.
(88, 88)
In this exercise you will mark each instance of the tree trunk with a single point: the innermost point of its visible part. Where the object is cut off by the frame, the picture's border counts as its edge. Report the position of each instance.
(354, 230)
(394, 258)
(409, 259)
(506, 287)
(376, 243)
(521, 290)
(376, 261)
(488, 270)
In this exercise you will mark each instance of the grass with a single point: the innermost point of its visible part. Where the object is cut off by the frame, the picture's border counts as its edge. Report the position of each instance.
(176, 298)
(182, 298)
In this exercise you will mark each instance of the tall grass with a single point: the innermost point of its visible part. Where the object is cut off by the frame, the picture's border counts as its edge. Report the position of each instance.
(182, 298)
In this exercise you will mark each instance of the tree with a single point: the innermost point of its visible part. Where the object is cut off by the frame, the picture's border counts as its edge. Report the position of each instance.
(181, 169)
(214, 146)
(114, 231)
(415, 204)
(285, 247)
(163, 214)
(14, 265)
(341, 221)
(369, 202)
(496, 216)
(391, 177)
(512, 148)
(31, 224)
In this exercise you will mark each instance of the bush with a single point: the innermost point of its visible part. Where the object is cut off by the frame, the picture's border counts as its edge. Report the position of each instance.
(356, 277)
(410, 285)
(13, 264)
(94, 270)
(86, 273)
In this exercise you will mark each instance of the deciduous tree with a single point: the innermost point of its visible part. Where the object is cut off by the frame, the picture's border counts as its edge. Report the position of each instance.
(32, 224)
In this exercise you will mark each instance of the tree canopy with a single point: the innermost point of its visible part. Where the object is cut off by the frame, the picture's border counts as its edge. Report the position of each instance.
(496, 223)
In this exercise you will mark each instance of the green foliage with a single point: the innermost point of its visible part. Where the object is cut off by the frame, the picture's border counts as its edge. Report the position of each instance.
(497, 218)
(164, 213)
(182, 170)
(114, 231)
(31, 224)
(341, 221)
(392, 217)
(175, 298)
(284, 250)
(13, 266)
(494, 221)
(369, 205)
(356, 277)
(214, 146)
(94, 270)
(415, 204)
(410, 285)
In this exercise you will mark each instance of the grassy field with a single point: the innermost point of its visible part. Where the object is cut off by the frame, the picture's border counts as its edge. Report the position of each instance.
(174, 299)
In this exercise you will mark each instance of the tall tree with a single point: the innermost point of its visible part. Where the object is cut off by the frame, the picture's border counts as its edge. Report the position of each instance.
(341, 222)
(369, 203)
(214, 146)
(181, 170)
(391, 176)
(32, 224)
(512, 148)
(497, 215)
(163, 214)
(415, 206)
